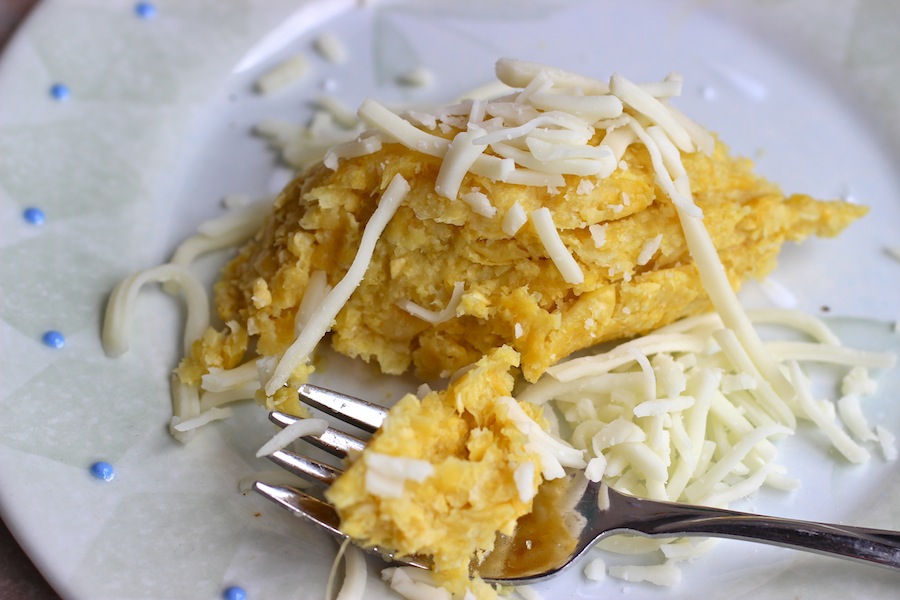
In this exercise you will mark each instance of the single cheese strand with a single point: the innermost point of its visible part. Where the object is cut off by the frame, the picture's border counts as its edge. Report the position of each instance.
(243, 391)
(219, 380)
(589, 108)
(715, 282)
(703, 139)
(632, 95)
(513, 220)
(399, 130)
(796, 319)
(582, 167)
(320, 323)
(461, 155)
(841, 355)
(556, 249)
(213, 414)
(618, 356)
(519, 73)
(120, 308)
(354, 149)
(223, 232)
(185, 405)
(296, 430)
(317, 289)
(548, 388)
(435, 317)
(340, 112)
(582, 130)
(535, 178)
(680, 198)
(550, 151)
(355, 574)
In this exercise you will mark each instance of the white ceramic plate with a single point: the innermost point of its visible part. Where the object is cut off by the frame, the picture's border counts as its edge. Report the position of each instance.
(155, 133)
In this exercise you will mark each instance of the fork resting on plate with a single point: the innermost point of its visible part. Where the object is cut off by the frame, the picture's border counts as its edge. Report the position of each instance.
(580, 511)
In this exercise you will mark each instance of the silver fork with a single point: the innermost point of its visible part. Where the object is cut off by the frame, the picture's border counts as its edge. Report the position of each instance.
(570, 514)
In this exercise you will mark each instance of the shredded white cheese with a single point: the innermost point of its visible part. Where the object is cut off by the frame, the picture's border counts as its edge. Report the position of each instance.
(294, 431)
(595, 569)
(320, 323)
(412, 585)
(331, 48)
(513, 220)
(123, 299)
(664, 575)
(417, 77)
(214, 414)
(435, 317)
(888, 442)
(480, 204)
(633, 96)
(283, 75)
(519, 73)
(386, 475)
(354, 585)
(460, 157)
(523, 475)
(556, 249)
(361, 147)
(649, 249)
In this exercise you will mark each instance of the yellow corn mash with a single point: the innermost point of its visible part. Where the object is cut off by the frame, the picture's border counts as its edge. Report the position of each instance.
(513, 293)
(474, 447)
(516, 307)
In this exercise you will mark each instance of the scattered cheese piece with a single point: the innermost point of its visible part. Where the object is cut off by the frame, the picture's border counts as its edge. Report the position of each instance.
(595, 569)
(435, 317)
(480, 204)
(649, 249)
(888, 442)
(598, 234)
(417, 77)
(664, 575)
(524, 478)
(282, 75)
(292, 432)
(386, 475)
(514, 219)
(331, 48)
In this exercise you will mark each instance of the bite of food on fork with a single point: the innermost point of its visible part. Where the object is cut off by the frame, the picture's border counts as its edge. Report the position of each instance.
(566, 514)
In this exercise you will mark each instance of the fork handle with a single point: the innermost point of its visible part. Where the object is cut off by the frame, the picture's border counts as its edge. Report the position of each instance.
(662, 519)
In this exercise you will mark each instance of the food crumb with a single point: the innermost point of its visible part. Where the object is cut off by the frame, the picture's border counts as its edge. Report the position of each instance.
(416, 77)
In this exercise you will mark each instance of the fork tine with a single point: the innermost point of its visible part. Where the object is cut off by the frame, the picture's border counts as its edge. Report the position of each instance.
(324, 515)
(305, 467)
(359, 413)
(302, 504)
(333, 441)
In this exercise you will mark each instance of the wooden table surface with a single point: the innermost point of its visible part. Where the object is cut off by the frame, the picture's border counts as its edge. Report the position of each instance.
(19, 578)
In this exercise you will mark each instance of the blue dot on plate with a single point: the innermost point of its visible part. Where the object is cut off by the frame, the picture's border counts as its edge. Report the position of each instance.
(145, 10)
(54, 339)
(35, 216)
(234, 593)
(60, 91)
(103, 470)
